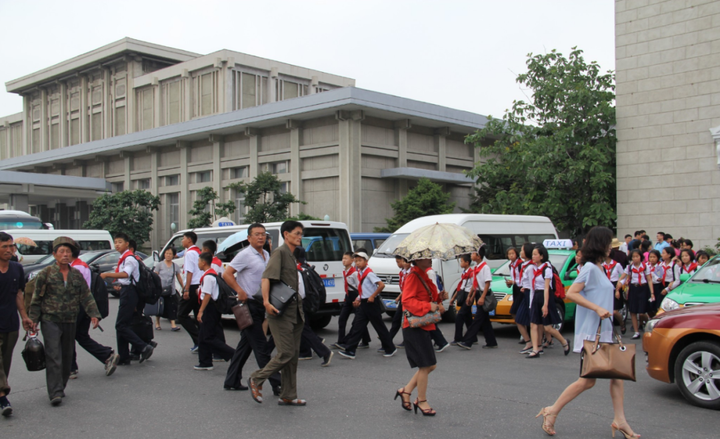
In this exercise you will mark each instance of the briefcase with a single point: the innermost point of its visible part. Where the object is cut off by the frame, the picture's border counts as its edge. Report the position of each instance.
(280, 296)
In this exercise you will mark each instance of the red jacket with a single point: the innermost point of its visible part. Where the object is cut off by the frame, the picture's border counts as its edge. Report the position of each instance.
(416, 299)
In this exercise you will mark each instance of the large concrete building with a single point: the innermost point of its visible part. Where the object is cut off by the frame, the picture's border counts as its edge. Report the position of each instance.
(668, 117)
(143, 116)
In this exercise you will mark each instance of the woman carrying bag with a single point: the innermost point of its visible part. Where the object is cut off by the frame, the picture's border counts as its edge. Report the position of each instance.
(592, 291)
(168, 271)
(420, 297)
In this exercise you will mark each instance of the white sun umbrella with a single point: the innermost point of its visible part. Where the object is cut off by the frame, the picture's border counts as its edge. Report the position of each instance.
(438, 241)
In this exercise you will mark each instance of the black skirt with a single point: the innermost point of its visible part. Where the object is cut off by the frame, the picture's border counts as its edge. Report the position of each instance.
(536, 316)
(517, 299)
(638, 297)
(419, 347)
(654, 306)
(617, 303)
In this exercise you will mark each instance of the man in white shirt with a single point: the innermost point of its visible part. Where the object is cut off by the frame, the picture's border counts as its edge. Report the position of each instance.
(189, 302)
(244, 276)
(129, 302)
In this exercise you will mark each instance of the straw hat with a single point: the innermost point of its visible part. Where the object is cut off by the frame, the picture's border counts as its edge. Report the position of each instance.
(615, 243)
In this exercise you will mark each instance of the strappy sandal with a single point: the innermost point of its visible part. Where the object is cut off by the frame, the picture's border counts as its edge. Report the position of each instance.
(547, 427)
(533, 354)
(627, 435)
(566, 348)
(425, 412)
(405, 404)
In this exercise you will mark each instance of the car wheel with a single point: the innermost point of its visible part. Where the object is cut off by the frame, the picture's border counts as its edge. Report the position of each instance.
(561, 312)
(449, 315)
(697, 374)
(320, 322)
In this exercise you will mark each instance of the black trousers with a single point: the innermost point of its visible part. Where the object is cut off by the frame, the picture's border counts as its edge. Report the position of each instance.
(59, 341)
(481, 322)
(345, 312)
(186, 306)
(463, 318)
(129, 304)
(311, 342)
(397, 321)
(369, 312)
(438, 337)
(252, 340)
(211, 338)
(82, 337)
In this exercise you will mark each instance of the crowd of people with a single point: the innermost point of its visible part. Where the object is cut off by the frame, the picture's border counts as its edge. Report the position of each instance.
(636, 273)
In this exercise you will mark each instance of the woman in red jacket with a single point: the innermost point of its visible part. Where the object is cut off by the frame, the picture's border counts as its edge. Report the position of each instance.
(420, 296)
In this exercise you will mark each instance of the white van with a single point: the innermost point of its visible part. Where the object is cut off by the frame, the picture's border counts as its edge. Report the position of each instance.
(325, 242)
(498, 232)
(86, 239)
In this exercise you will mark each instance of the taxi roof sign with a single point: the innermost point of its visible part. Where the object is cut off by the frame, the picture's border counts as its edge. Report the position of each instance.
(558, 243)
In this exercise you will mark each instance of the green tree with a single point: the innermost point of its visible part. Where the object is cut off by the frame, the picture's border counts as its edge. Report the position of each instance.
(427, 198)
(303, 217)
(265, 200)
(127, 211)
(555, 155)
(206, 209)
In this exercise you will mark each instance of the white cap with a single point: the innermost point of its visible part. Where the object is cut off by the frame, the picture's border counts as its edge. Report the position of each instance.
(361, 255)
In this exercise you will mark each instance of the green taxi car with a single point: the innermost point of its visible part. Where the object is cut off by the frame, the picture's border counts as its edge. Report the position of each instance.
(563, 261)
(702, 287)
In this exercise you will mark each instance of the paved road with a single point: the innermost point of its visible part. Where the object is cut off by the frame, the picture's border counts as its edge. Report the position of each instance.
(478, 394)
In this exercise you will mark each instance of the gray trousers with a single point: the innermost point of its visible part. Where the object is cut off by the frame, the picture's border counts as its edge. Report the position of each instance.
(59, 340)
(7, 344)
(287, 333)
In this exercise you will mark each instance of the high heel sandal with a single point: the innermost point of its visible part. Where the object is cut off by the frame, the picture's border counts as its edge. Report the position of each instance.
(566, 348)
(425, 412)
(627, 435)
(547, 427)
(405, 404)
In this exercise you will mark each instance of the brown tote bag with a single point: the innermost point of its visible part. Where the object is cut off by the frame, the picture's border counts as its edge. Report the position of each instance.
(242, 316)
(607, 360)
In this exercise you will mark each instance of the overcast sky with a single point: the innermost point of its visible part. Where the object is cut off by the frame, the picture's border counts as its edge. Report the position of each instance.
(460, 54)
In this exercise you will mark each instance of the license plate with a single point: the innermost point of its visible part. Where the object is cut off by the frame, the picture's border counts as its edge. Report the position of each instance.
(390, 304)
(329, 283)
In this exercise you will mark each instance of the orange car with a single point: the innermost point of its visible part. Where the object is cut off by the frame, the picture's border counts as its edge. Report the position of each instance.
(683, 346)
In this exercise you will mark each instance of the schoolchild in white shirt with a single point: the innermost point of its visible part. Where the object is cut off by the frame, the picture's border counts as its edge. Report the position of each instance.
(463, 290)
(656, 272)
(670, 278)
(481, 289)
(613, 271)
(522, 318)
(639, 280)
(514, 281)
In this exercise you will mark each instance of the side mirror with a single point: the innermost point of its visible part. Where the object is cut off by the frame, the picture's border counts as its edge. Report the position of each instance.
(684, 277)
(156, 255)
(95, 268)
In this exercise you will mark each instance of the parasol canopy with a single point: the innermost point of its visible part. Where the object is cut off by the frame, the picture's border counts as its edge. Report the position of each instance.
(233, 239)
(438, 241)
(25, 241)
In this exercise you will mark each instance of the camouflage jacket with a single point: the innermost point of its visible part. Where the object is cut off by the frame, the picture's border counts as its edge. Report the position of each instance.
(53, 301)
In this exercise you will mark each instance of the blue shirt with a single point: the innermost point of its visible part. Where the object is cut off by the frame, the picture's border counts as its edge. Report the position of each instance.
(661, 245)
(598, 290)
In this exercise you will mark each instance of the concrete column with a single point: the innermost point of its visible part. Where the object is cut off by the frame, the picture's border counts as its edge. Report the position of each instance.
(84, 125)
(401, 130)
(44, 121)
(19, 202)
(27, 122)
(441, 147)
(63, 115)
(156, 102)
(295, 179)
(184, 194)
(107, 102)
(130, 99)
(218, 143)
(128, 168)
(272, 85)
(229, 89)
(186, 90)
(254, 146)
(154, 186)
(350, 164)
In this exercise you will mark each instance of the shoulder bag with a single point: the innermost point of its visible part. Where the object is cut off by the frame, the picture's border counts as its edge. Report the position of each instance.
(429, 318)
(490, 302)
(607, 360)
(280, 296)
(170, 289)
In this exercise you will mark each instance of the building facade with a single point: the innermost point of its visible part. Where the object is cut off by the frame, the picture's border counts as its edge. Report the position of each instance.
(668, 117)
(142, 116)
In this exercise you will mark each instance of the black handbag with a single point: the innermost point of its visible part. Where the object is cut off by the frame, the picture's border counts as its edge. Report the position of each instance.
(490, 302)
(280, 296)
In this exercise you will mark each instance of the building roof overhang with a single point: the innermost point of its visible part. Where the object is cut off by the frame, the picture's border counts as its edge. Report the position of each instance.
(417, 174)
(347, 99)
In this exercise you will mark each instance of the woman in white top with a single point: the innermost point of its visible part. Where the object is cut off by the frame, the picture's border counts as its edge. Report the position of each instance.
(593, 293)
(168, 272)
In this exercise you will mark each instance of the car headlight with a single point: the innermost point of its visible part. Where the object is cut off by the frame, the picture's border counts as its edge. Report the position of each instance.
(650, 325)
(668, 304)
(32, 275)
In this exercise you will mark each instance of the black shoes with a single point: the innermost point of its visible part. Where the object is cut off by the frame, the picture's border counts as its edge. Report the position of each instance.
(146, 353)
(240, 387)
(56, 401)
(326, 359)
(5, 407)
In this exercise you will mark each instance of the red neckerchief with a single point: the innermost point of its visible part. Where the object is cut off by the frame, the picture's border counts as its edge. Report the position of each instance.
(467, 274)
(402, 279)
(524, 267)
(79, 263)
(347, 273)
(688, 268)
(638, 271)
(193, 248)
(217, 261)
(210, 271)
(122, 259)
(361, 277)
(609, 268)
(665, 268)
(476, 271)
(537, 272)
(514, 268)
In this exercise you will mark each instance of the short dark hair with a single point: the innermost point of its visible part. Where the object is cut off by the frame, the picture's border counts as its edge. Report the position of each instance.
(254, 226)
(481, 251)
(466, 257)
(645, 237)
(300, 254)
(668, 236)
(638, 252)
(191, 235)
(597, 242)
(527, 248)
(123, 236)
(207, 257)
(689, 242)
(210, 245)
(132, 244)
(5, 237)
(670, 251)
(172, 249)
(348, 254)
(701, 253)
(638, 233)
(628, 236)
(656, 253)
(401, 257)
(663, 235)
(517, 254)
(543, 252)
(289, 226)
(645, 246)
(688, 251)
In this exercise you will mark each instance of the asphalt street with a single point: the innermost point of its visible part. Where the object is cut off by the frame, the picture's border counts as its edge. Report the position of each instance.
(478, 394)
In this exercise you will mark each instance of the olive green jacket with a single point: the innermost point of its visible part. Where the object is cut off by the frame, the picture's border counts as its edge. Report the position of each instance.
(58, 302)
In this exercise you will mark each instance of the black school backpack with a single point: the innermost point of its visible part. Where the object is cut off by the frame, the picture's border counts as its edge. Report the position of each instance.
(227, 298)
(315, 293)
(100, 293)
(149, 286)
